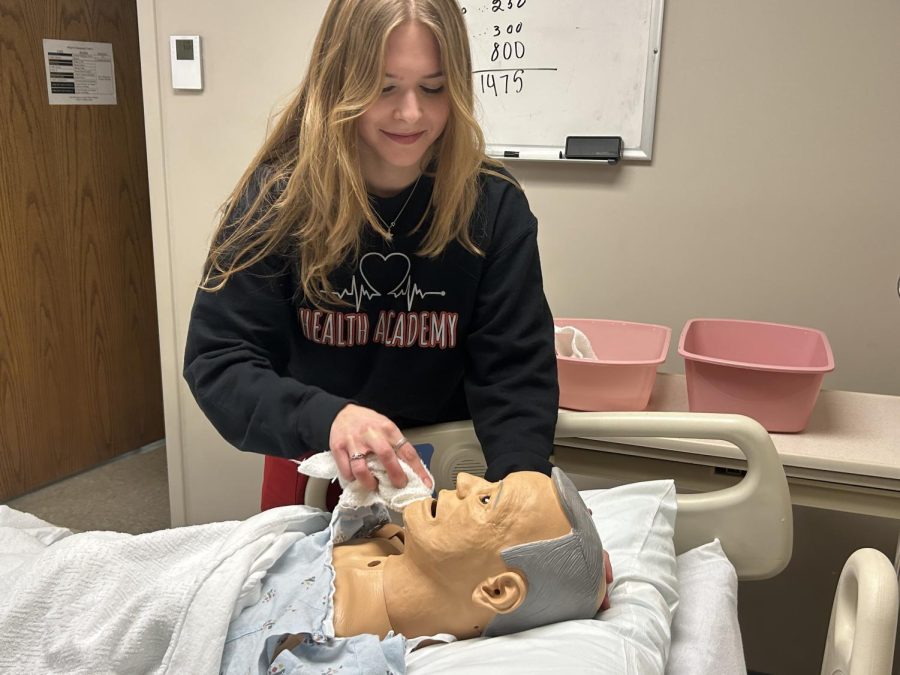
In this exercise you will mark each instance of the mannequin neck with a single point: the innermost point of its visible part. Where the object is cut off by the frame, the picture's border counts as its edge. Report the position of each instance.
(420, 604)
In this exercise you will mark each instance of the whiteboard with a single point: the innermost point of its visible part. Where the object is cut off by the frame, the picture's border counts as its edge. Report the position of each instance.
(547, 69)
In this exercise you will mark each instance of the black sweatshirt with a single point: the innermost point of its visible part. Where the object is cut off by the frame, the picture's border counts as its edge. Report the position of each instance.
(422, 340)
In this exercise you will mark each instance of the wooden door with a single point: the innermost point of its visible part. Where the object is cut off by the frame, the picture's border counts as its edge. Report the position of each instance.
(79, 347)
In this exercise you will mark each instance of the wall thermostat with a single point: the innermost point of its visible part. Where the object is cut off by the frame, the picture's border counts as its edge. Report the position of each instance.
(186, 70)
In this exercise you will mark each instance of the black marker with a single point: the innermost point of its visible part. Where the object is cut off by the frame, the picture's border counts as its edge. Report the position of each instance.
(510, 153)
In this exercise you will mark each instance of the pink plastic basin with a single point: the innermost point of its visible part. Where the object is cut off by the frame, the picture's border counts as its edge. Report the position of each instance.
(768, 371)
(622, 377)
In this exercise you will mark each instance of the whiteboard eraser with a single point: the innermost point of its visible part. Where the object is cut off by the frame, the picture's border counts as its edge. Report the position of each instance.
(603, 148)
(187, 72)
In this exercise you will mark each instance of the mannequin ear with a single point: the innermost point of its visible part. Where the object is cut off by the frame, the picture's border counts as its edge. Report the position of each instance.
(502, 593)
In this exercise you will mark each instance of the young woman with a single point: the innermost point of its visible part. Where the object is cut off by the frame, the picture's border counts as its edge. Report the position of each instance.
(374, 270)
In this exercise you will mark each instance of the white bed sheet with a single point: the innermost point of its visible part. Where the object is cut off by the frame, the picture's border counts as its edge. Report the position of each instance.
(706, 635)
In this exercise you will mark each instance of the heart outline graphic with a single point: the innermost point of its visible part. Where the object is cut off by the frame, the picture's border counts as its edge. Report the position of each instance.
(384, 260)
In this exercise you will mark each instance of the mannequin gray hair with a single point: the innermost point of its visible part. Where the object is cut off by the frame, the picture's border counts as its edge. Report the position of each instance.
(564, 575)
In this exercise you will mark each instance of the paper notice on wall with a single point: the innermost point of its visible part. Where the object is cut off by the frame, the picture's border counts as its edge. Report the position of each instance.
(79, 73)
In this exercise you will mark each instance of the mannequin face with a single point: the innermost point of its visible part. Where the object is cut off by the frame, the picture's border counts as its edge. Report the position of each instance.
(465, 529)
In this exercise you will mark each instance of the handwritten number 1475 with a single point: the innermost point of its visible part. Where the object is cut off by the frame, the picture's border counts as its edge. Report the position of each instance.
(502, 84)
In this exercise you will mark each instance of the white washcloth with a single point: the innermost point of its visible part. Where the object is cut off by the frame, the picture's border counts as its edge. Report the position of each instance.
(322, 465)
(573, 343)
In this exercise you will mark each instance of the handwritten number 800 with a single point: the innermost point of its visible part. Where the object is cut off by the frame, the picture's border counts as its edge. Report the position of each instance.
(508, 50)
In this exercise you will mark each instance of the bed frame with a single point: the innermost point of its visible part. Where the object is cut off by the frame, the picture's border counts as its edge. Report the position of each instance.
(863, 623)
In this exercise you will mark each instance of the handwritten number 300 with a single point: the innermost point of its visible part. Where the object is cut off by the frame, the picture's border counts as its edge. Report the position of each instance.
(510, 29)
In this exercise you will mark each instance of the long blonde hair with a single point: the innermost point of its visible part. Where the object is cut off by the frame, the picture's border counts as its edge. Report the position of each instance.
(312, 195)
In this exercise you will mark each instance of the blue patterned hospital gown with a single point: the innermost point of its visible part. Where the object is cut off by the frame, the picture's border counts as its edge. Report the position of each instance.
(296, 598)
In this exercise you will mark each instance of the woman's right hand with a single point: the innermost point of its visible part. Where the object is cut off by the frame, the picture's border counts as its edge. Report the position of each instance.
(357, 432)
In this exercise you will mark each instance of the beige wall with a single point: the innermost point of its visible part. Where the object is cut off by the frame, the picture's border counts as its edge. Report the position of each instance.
(774, 191)
(772, 195)
(198, 145)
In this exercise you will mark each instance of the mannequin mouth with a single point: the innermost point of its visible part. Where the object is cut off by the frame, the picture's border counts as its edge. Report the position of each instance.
(404, 139)
(434, 507)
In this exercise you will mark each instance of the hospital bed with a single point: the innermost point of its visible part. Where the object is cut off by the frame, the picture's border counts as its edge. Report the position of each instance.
(752, 521)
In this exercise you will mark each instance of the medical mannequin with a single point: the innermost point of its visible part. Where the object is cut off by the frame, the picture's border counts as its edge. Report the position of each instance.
(485, 559)
(445, 572)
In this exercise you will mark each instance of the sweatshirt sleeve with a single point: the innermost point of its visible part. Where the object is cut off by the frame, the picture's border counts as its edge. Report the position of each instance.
(510, 381)
(236, 361)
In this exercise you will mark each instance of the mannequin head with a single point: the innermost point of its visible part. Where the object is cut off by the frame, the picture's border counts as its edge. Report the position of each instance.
(497, 557)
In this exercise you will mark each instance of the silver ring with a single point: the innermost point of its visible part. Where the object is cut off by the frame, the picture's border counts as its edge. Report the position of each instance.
(399, 444)
(357, 455)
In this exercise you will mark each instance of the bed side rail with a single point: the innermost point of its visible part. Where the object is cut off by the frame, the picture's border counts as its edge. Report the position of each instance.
(863, 623)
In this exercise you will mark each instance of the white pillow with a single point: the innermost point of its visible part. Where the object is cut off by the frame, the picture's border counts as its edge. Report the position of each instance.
(636, 524)
(706, 636)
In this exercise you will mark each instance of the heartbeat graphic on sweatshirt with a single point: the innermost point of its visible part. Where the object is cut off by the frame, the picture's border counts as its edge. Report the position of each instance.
(411, 291)
(379, 273)
(358, 293)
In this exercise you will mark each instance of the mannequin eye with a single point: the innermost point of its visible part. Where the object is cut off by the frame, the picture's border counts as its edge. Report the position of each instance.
(485, 499)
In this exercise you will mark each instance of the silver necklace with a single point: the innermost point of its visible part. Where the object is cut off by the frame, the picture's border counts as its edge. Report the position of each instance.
(393, 223)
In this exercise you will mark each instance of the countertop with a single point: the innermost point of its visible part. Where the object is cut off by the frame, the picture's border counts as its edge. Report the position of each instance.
(849, 434)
